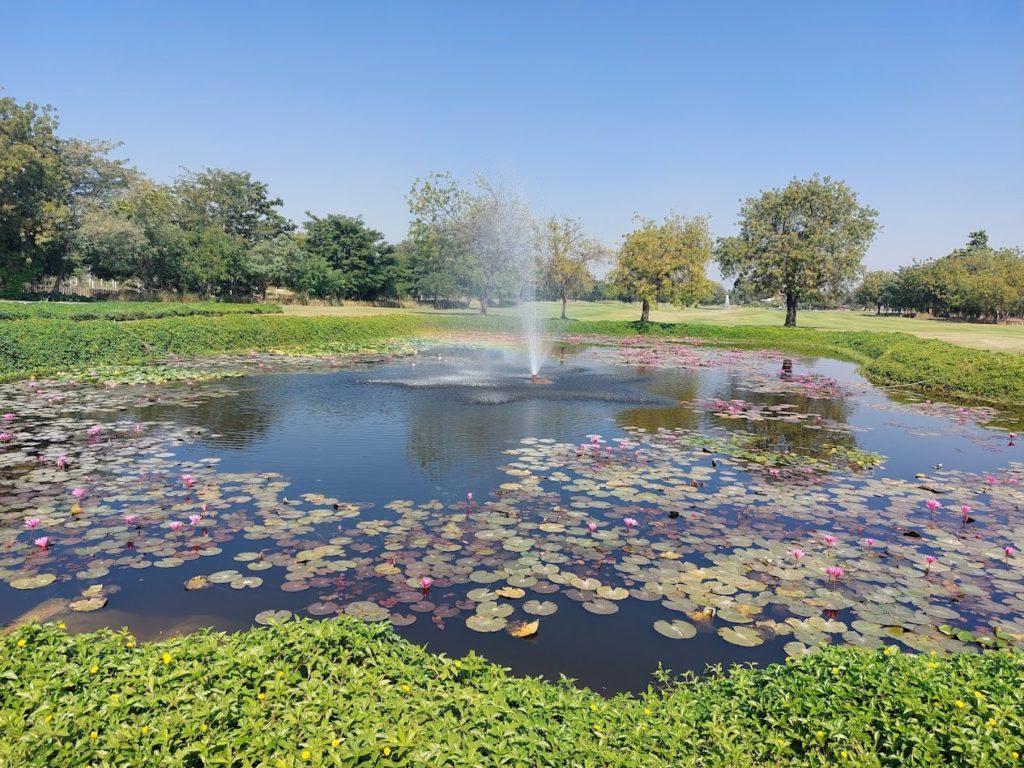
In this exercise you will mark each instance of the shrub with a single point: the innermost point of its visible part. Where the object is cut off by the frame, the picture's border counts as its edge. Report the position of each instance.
(340, 692)
(125, 310)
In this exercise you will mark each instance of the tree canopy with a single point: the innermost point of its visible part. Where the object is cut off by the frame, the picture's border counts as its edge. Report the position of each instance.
(567, 254)
(803, 240)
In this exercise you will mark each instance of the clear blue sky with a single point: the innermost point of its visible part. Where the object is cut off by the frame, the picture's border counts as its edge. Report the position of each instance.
(593, 109)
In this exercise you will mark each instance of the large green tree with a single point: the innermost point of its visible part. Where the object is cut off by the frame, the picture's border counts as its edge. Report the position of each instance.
(665, 262)
(232, 201)
(806, 239)
(876, 290)
(364, 262)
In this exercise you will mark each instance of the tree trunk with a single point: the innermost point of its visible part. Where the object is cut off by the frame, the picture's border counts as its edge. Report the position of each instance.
(483, 301)
(645, 312)
(55, 291)
(790, 309)
(878, 309)
(564, 300)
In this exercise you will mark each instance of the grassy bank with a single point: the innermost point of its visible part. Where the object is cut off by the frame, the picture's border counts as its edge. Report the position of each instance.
(345, 693)
(125, 310)
(46, 346)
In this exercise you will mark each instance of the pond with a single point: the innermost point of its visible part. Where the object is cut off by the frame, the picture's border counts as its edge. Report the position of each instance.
(646, 503)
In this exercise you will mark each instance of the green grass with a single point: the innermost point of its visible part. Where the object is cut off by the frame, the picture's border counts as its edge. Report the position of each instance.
(124, 310)
(995, 338)
(344, 693)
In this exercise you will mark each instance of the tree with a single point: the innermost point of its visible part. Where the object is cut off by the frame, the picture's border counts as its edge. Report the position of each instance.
(875, 290)
(272, 261)
(233, 202)
(364, 261)
(805, 239)
(566, 256)
(665, 262)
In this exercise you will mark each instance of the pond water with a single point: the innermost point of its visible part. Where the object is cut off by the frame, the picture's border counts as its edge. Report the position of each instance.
(650, 504)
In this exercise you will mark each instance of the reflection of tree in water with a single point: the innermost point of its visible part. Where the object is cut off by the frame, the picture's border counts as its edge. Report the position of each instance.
(236, 420)
(682, 387)
(779, 435)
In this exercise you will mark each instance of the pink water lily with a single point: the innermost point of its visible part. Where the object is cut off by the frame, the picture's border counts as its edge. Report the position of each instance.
(835, 572)
(991, 479)
(1008, 551)
(965, 510)
(8, 417)
(630, 523)
(95, 430)
(175, 525)
(932, 505)
(195, 519)
(188, 481)
(131, 520)
(204, 506)
(78, 493)
(869, 543)
(6, 437)
(797, 553)
(32, 523)
(929, 561)
(469, 497)
(773, 472)
(62, 462)
(43, 542)
(830, 540)
(425, 583)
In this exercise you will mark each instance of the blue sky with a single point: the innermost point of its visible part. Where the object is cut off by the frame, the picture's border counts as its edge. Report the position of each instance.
(596, 110)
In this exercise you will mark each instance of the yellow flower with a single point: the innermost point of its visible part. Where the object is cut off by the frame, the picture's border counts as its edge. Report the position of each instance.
(113, 698)
(94, 735)
(204, 727)
(21, 643)
(979, 695)
(48, 718)
(406, 688)
(647, 711)
(61, 625)
(335, 742)
(820, 734)
(145, 729)
(387, 751)
(280, 674)
(94, 669)
(261, 695)
(167, 657)
(1015, 755)
(306, 754)
(593, 707)
(844, 754)
(959, 704)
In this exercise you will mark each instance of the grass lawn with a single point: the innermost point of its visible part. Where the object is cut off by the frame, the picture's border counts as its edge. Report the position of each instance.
(996, 338)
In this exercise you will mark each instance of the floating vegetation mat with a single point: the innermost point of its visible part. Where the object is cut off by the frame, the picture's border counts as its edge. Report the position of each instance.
(728, 535)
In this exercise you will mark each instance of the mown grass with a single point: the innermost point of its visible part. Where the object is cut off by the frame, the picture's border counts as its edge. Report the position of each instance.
(344, 693)
(47, 346)
(125, 310)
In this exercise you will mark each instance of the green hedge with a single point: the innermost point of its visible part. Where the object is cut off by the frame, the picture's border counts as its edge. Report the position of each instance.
(341, 692)
(125, 310)
(41, 346)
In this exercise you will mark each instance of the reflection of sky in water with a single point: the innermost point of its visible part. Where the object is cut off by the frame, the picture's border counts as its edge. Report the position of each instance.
(439, 427)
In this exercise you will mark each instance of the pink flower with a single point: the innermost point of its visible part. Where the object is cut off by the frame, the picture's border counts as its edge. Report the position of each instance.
(131, 520)
(929, 560)
(8, 417)
(42, 542)
(188, 481)
(630, 523)
(1013, 435)
(95, 430)
(138, 429)
(469, 497)
(1008, 551)
(194, 519)
(425, 582)
(835, 572)
(32, 523)
(869, 543)
(62, 462)
(830, 540)
(78, 493)
(932, 505)
(175, 525)
(965, 511)
(797, 553)
(591, 526)
(6, 437)
(204, 506)
(773, 472)
(991, 479)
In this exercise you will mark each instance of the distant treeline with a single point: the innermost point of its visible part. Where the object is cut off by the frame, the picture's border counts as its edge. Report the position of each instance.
(972, 283)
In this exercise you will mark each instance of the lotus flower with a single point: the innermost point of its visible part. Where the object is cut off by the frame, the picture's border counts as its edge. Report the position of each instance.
(6, 437)
(195, 519)
(797, 553)
(932, 505)
(830, 540)
(204, 506)
(773, 472)
(43, 542)
(1008, 551)
(591, 526)
(965, 511)
(62, 462)
(95, 430)
(630, 523)
(32, 523)
(469, 497)
(425, 582)
(78, 493)
(8, 417)
(991, 479)
(869, 543)
(175, 525)
(835, 572)
(188, 481)
(929, 560)
(131, 520)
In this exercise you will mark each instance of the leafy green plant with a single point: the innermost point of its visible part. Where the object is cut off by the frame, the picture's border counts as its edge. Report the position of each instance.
(341, 692)
(126, 310)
